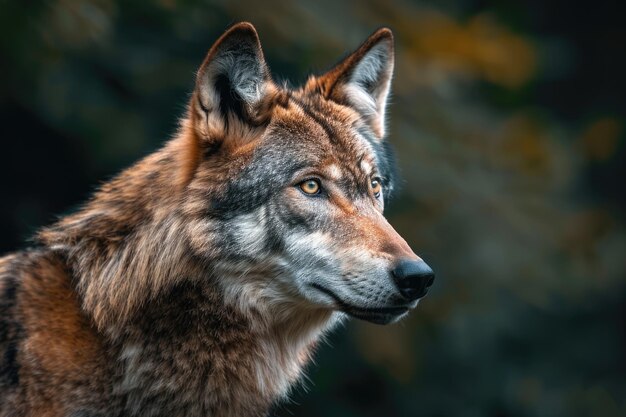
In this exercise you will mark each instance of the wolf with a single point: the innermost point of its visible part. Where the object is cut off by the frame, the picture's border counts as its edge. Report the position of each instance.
(198, 281)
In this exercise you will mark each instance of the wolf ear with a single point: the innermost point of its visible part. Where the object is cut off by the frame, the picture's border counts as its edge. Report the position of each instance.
(363, 79)
(233, 80)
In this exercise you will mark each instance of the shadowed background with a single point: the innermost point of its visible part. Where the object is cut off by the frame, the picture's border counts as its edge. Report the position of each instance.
(509, 124)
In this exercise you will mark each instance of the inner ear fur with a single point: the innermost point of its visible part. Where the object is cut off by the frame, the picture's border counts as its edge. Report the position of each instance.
(232, 99)
(233, 86)
(362, 80)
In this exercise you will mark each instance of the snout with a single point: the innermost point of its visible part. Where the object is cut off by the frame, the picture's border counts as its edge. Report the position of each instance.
(413, 278)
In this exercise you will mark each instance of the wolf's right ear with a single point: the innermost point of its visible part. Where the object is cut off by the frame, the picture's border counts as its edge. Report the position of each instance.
(233, 82)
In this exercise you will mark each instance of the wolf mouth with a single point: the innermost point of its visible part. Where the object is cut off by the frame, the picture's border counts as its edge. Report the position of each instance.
(381, 315)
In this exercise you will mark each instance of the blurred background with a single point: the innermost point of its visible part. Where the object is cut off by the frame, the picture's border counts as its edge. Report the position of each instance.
(509, 123)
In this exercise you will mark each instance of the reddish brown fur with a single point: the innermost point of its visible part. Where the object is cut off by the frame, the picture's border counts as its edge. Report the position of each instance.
(112, 314)
(61, 352)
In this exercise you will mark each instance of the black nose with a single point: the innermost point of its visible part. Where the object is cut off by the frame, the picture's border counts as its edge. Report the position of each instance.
(413, 278)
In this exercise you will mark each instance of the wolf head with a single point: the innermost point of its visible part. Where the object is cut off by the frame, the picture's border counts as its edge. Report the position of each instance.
(287, 187)
(273, 195)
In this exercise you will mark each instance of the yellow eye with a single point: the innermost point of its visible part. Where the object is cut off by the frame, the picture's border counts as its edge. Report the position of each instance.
(310, 187)
(377, 187)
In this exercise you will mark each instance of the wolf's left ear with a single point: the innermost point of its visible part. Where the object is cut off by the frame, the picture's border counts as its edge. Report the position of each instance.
(363, 79)
(233, 80)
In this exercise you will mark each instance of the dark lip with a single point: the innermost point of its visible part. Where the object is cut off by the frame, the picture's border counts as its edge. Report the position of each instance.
(382, 315)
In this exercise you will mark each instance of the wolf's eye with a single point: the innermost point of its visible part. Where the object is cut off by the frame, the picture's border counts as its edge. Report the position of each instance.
(310, 186)
(377, 187)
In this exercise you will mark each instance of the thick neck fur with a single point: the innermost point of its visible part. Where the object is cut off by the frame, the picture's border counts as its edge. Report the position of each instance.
(193, 355)
(186, 340)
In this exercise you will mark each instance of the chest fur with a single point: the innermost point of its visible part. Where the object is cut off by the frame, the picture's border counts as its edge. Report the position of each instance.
(208, 361)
